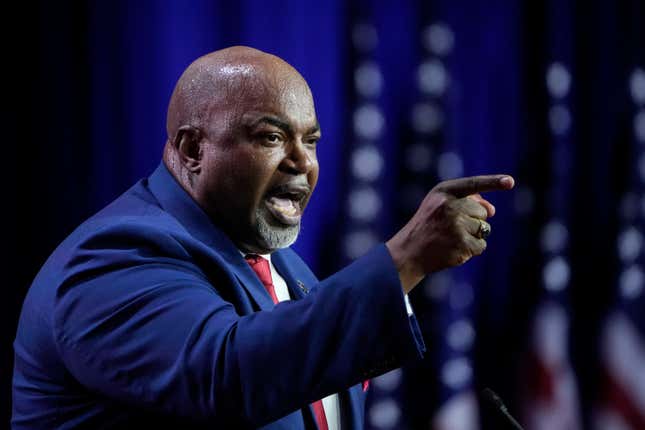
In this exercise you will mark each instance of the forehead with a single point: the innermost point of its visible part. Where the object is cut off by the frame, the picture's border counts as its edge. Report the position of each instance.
(285, 98)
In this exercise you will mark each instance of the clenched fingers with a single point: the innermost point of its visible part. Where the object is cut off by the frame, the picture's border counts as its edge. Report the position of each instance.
(475, 246)
(474, 226)
(471, 208)
(485, 203)
(467, 247)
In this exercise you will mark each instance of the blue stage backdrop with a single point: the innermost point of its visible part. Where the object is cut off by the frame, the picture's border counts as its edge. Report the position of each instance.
(408, 93)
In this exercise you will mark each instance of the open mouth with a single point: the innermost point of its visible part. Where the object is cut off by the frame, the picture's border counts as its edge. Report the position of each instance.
(285, 203)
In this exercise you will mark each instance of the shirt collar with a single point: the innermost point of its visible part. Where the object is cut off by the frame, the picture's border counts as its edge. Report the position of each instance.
(265, 256)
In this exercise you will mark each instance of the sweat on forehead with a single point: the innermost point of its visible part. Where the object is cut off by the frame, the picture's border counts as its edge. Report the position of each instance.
(219, 79)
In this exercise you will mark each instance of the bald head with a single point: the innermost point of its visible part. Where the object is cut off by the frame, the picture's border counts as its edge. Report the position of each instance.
(214, 83)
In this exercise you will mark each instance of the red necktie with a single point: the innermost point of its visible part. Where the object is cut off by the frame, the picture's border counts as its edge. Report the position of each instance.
(261, 268)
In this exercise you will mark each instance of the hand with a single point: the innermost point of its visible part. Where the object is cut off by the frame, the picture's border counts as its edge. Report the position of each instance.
(444, 231)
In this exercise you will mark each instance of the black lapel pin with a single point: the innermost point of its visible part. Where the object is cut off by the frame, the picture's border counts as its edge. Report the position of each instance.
(302, 287)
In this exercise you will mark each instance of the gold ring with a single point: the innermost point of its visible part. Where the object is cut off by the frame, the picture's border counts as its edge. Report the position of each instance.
(484, 230)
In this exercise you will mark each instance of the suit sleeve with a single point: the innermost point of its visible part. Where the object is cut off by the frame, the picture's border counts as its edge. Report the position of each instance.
(135, 320)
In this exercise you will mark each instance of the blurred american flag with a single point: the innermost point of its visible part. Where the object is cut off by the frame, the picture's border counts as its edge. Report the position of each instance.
(621, 403)
(550, 398)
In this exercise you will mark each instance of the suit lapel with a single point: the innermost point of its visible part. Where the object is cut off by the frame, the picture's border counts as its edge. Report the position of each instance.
(253, 286)
(176, 201)
(285, 268)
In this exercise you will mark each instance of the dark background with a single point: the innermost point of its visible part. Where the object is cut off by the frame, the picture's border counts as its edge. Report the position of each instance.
(87, 84)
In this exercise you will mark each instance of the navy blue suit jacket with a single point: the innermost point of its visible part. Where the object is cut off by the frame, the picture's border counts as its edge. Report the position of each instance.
(147, 315)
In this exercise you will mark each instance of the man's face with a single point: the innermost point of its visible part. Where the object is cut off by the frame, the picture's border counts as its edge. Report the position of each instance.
(259, 164)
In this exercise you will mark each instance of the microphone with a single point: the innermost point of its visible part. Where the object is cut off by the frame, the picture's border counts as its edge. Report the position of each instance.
(501, 407)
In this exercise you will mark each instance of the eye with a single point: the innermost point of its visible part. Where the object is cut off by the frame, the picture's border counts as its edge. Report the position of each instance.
(312, 141)
(273, 138)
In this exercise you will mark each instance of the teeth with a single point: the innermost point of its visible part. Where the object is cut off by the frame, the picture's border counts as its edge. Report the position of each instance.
(284, 206)
(291, 211)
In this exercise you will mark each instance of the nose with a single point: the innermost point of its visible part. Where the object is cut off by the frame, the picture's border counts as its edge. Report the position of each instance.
(300, 159)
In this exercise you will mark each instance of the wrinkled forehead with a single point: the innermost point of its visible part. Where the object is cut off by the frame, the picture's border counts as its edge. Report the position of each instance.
(282, 92)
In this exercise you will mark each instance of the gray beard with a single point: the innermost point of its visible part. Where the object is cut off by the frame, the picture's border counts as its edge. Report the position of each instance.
(275, 237)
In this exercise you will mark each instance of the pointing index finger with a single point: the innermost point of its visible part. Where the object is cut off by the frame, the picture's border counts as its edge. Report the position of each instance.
(462, 187)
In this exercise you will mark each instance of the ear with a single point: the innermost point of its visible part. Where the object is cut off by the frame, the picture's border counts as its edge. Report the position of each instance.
(188, 146)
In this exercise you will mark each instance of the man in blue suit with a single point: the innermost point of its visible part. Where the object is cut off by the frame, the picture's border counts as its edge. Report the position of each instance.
(181, 304)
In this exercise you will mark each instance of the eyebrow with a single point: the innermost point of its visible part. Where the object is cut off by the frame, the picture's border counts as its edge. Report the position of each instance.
(283, 125)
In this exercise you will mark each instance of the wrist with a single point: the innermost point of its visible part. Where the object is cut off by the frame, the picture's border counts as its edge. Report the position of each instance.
(410, 274)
